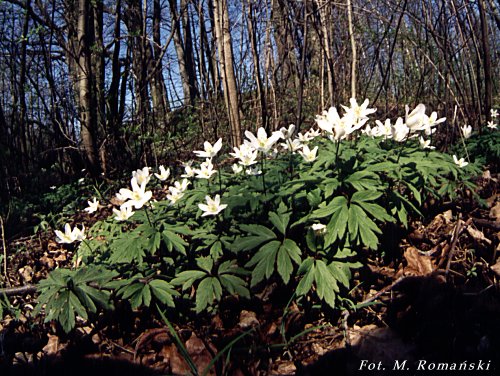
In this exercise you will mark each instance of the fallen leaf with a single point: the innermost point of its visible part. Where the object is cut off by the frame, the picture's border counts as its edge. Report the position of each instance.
(418, 265)
(248, 319)
(478, 235)
(495, 212)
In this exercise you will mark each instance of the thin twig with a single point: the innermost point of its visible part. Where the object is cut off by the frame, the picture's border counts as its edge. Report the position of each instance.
(6, 276)
(456, 235)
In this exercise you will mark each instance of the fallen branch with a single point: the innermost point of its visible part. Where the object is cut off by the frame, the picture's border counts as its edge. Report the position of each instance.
(20, 290)
(6, 276)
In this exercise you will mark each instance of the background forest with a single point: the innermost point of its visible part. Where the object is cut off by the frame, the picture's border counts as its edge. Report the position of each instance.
(108, 84)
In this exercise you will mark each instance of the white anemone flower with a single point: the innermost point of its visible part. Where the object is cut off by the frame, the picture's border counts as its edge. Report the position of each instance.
(292, 146)
(188, 171)
(253, 171)
(93, 206)
(141, 175)
(182, 186)
(318, 228)
(244, 149)
(174, 195)
(287, 134)
(164, 173)
(415, 120)
(124, 213)
(210, 150)
(466, 131)
(399, 130)
(307, 154)
(459, 162)
(491, 125)
(69, 236)
(237, 168)
(206, 170)
(493, 113)
(213, 206)
(425, 144)
(138, 196)
(382, 129)
(328, 119)
(358, 112)
(262, 142)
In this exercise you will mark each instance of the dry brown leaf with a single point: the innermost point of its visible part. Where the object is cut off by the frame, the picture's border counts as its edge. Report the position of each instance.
(496, 268)
(248, 319)
(52, 347)
(495, 212)
(284, 368)
(477, 235)
(418, 265)
(26, 273)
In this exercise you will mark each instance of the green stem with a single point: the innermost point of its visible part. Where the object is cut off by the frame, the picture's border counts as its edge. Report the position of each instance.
(263, 174)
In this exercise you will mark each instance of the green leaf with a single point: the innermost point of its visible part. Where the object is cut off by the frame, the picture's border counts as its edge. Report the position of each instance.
(365, 195)
(326, 284)
(264, 261)
(163, 291)
(333, 206)
(208, 290)
(280, 221)
(235, 285)
(305, 284)
(287, 252)
(187, 278)
(172, 240)
(205, 263)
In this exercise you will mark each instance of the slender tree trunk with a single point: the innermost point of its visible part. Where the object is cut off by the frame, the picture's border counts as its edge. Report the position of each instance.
(486, 60)
(87, 112)
(227, 69)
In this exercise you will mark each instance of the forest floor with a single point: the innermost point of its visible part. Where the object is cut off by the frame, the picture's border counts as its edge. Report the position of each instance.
(433, 296)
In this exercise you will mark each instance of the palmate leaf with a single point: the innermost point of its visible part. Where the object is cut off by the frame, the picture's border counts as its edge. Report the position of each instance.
(131, 247)
(264, 261)
(163, 291)
(261, 234)
(363, 180)
(208, 290)
(338, 224)
(187, 278)
(174, 241)
(280, 221)
(275, 252)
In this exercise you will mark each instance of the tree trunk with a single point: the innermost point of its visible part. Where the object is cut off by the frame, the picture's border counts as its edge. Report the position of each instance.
(84, 80)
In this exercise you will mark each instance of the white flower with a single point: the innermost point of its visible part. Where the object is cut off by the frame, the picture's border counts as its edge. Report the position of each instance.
(466, 131)
(188, 171)
(93, 206)
(358, 112)
(491, 125)
(210, 150)
(425, 144)
(81, 180)
(164, 173)
(307, 154)
(459, 162)
(213, 206)
(137, 197)
(52, 187)
(312, 133)
(293, 146)
(174, 195)
(287, 134)
(415, 119)
(304, 138)
(262, 142)
(141, 175)
(399, 130)
(206, 170)
(493, 113)
(182, 186)
(318, 228)
(382, 129)
(237, 168)
(244, 149)
(253, 171)
(124, 213)
(69, 236)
